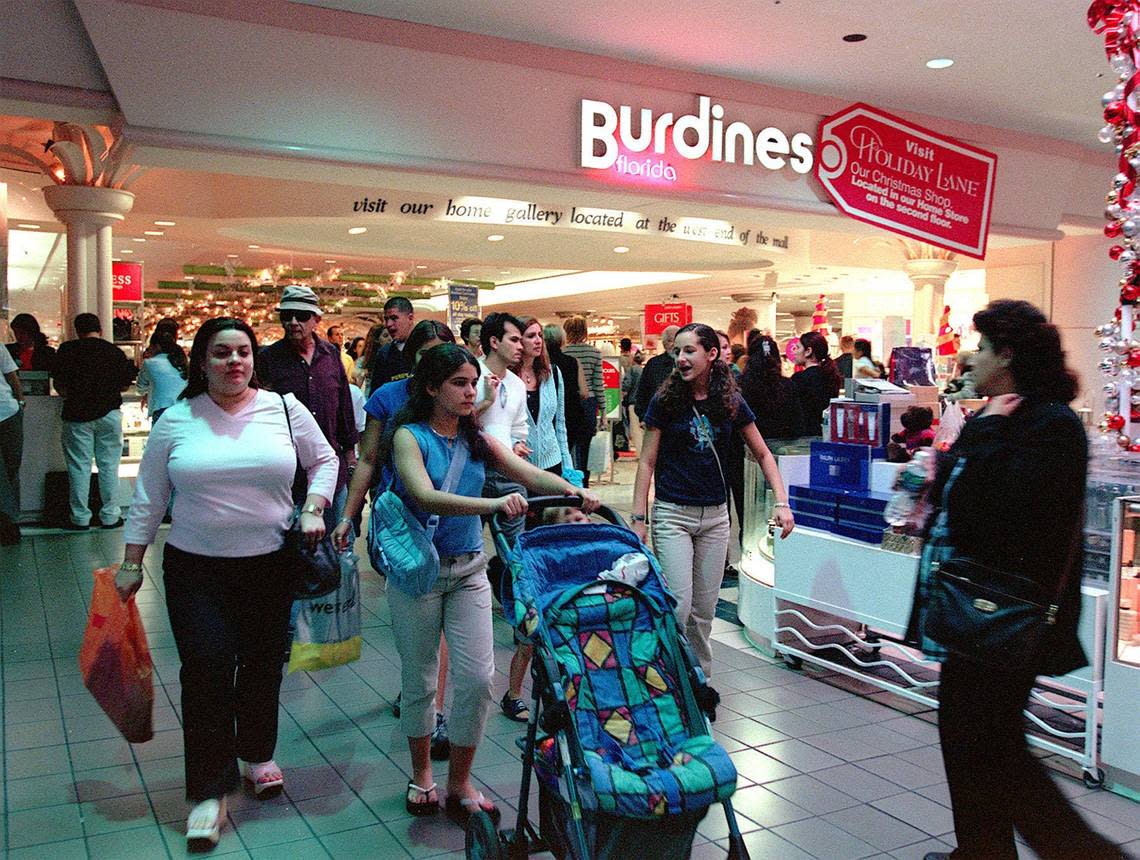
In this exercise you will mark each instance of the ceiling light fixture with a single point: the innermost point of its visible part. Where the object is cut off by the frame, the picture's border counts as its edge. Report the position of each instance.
(421, 267)
(495, 237)
(164, 223)
(621, 249)
(852, 38)
(29, 226)
(231, 256)
(253, 247)
(356, 231)
(939, 63)
(126, 251)
(330, 261)
(153, 233)
(137, 239)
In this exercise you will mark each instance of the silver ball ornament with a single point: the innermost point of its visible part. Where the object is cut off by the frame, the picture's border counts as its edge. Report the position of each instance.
(1109, 97)
(1109, 388)
(1119, 180)
(1126, 256)
(1130, 228)
(1114, 212)
(1123, 440)
(1106, 135)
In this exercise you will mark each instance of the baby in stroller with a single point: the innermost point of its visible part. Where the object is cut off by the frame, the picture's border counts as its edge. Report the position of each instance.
(619, 734)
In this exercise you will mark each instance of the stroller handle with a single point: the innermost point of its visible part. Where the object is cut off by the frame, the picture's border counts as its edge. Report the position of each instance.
(538, 504)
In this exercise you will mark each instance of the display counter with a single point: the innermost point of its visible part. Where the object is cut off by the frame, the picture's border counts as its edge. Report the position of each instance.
(43, 451)
(844, 604)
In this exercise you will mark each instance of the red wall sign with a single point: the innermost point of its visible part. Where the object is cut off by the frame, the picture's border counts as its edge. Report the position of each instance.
(126, 282)
(660, 317)
(908, 179)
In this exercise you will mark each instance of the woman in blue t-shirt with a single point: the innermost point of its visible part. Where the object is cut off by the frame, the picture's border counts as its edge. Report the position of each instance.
(687, 430)
(438, 421)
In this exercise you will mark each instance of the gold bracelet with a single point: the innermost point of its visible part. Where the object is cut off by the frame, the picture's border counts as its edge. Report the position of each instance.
(313, 509)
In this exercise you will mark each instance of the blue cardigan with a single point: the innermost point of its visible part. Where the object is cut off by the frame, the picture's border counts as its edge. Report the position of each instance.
(547, 436)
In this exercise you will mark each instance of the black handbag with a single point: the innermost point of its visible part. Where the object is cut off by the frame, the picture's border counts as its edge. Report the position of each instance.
(317, 570)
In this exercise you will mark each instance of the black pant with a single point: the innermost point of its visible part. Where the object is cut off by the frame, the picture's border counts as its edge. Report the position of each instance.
(995, 783)
(230, 619)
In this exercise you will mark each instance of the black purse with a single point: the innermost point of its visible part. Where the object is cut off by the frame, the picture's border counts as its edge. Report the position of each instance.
(316, 571)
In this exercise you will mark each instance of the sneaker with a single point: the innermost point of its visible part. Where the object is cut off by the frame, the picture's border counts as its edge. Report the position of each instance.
(116, 524)
(396, 704)
(440, 745)
(514, 709)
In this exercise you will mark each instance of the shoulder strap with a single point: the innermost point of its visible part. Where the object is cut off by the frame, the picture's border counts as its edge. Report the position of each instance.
(716, 456)
(288, 422)
(454, 469)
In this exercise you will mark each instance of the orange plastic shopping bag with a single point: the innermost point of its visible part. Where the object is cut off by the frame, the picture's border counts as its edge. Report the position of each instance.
(115, 661)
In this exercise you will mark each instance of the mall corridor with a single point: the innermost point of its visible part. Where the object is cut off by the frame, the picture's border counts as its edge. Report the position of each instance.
(825, 773)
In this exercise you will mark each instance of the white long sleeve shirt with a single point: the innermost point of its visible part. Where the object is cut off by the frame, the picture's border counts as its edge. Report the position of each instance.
(506, 418)
(232, 475)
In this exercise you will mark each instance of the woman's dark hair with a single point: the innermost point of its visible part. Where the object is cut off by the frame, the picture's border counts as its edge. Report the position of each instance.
(423, 332)
(862, 347)
(815, 345)
(163, 341)
(196, 377)
(760, 380)
(1037, 361)
(30, 326)
(435, 367)
(675, 397)
(354, 347)
(542, 360)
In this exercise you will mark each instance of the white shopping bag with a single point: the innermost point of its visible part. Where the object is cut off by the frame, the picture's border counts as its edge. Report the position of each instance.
(601, 452)
(326, 632)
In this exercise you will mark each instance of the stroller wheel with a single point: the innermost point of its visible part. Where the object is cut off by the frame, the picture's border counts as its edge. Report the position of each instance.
(482, 842)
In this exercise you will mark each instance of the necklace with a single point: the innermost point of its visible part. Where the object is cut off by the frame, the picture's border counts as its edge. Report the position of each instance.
(450, 440)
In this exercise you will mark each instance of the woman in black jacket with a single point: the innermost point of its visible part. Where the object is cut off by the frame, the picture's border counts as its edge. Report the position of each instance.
(31, 350)
(817, 383)
(770, 394)
(1010, 495)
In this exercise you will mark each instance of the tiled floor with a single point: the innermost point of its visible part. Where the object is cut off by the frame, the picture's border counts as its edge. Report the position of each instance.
(824, 773)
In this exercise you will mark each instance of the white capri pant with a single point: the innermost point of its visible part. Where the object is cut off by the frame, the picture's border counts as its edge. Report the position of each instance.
(460, 605)
(691, 544)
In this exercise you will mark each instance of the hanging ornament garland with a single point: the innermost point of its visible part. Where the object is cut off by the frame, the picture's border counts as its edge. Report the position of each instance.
(1118, 21)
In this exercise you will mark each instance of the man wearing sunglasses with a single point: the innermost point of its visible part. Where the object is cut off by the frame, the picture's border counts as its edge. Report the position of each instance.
(310, 368)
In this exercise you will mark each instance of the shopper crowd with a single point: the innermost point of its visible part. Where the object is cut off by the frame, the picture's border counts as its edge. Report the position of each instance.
(248, 441)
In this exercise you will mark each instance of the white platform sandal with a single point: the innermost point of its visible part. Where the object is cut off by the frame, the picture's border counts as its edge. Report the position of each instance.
(204, 824)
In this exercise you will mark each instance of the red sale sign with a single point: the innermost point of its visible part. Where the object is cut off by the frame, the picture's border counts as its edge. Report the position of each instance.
(660, 317)
(899, 176)
(126, 282)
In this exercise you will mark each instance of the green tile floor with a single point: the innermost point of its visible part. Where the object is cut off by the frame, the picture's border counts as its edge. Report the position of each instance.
(825, 772)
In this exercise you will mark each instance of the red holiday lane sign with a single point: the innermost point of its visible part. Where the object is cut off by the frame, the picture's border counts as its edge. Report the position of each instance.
(899, 176)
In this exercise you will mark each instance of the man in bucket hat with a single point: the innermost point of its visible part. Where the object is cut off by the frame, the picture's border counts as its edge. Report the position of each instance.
(310, 368)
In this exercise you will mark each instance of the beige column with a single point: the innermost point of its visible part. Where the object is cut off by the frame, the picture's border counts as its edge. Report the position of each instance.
(929, 278)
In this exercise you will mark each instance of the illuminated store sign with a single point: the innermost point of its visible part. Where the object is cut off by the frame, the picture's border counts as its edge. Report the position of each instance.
(613, 139)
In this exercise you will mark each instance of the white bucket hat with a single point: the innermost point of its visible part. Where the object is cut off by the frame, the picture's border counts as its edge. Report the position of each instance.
(298, 298)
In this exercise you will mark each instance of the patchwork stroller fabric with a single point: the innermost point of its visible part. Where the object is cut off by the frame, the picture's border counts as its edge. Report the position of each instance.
(625, 697)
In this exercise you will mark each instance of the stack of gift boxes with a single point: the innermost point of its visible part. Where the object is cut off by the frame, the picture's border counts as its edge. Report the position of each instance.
(841, 497)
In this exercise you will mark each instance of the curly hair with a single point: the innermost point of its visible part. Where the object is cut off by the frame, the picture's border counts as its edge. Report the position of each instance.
(435, 367)
(1037, 361)
(675, 397)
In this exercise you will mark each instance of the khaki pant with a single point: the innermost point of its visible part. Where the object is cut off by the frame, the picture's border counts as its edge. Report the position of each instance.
(690, 542)
(459, 605)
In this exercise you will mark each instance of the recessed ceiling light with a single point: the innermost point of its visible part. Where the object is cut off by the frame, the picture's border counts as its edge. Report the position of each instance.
(855, 37)
(231, 256)
(154, 233)
(421, 267)
(465, 270)
(29, 226)
(187, 277)
(137, 239)
(504, 273)
(330, 261)
(164, 223)
(253, 247)
(939, 63)
(495, 237)
(356, 231)
(126, 251)
(621, 249)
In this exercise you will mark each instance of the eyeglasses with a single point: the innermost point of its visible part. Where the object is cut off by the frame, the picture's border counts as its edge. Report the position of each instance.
(299, 316)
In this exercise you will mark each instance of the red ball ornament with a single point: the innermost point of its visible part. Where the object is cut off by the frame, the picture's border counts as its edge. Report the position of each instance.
(1115, 251)
(1130, 293)
(1114, 112)
(1134, 358)
(1116, 315)
(1115, 422)
(1135, 449)
(1113, 229)
(1127, 188)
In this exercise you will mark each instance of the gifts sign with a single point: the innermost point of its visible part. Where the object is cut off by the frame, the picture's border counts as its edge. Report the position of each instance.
(907, 179)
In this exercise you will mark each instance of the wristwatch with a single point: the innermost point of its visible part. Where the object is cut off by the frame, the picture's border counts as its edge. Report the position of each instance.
(637, 518)
(313, 509)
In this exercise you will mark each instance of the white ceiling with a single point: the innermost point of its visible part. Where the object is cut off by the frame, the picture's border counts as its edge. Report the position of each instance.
(1033, 67)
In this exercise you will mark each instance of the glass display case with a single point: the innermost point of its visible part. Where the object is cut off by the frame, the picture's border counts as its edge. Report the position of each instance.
(1125, 648)
(1121, 739)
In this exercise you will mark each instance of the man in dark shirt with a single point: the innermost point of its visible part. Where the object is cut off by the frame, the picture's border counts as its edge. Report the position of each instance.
(310, 368)
(389, 363)
(656, 371)
(92, 374)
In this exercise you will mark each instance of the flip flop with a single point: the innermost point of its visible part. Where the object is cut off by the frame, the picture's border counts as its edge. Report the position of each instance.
(212, 831)
(263, 777)
(460, 809)
(427, 806)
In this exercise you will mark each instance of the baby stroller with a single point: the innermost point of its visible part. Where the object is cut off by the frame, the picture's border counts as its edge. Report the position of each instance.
(619, 735)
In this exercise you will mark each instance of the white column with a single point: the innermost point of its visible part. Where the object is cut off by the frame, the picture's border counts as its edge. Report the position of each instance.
(104, 290)
(76, 275)
(929, 278)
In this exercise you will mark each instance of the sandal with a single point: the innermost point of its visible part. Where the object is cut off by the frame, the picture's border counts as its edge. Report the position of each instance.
(460, 809)
(427, 806)
(263, 777)
(204, 823)
(514, 709)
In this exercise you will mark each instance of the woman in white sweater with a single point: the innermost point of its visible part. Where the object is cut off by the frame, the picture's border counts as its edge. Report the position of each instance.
(225, 448)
